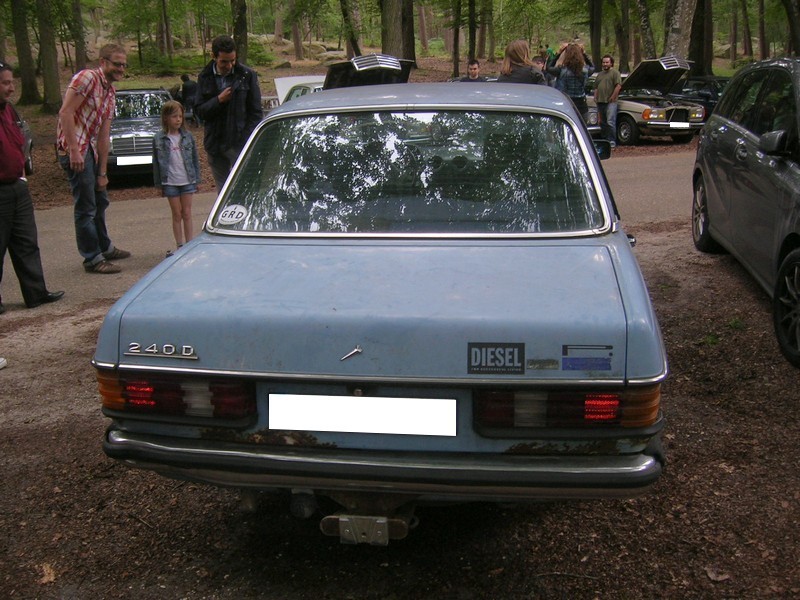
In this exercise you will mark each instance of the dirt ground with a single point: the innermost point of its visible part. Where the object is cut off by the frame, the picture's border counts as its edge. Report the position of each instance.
(721, 523)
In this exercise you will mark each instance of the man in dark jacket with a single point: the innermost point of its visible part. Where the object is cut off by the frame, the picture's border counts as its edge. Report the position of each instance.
(228, 102)
(18, 233)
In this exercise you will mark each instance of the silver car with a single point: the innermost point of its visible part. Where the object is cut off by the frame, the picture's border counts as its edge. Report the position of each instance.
(404, 293)
(747, 186)
(644, 106)
(137, 119)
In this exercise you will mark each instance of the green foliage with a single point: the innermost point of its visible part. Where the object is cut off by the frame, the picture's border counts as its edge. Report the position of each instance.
(258, 55)
(736, 323)
(156, 63)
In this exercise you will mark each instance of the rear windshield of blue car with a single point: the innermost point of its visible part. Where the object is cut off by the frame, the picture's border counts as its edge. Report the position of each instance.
(413, 172)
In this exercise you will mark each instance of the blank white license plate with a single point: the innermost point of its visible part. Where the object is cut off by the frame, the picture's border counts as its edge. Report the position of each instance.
(359, 414)
(679, 125)
(124, 161)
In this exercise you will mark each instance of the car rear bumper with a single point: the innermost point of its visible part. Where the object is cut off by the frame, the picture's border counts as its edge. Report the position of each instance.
(426, 476)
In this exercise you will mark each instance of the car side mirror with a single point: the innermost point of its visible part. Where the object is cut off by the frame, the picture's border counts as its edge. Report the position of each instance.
(774, 142)
(603, 148)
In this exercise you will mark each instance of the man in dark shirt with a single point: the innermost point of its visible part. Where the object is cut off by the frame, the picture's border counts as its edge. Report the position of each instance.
(473, 72)
(18, 232)
(228, 101)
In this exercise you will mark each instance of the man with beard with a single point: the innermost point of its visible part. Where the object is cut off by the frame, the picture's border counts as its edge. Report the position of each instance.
(84, 125)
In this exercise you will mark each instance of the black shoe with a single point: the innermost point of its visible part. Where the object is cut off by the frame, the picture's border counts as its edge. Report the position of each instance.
(2, 308)
(47, 298)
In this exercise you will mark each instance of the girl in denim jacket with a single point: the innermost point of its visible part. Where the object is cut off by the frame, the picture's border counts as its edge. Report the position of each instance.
(176, 169)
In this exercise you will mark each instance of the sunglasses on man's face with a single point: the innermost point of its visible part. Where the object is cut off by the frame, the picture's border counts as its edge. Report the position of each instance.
(119, 65)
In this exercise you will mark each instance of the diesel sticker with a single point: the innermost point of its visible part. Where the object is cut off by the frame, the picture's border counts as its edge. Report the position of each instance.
(495, 358)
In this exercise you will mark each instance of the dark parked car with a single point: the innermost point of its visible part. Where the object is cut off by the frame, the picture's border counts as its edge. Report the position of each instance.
(747, 186)
(703, 90)
(388, 306)
(137, 119)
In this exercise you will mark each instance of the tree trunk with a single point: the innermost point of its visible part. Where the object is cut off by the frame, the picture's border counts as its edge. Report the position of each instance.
(351, 27)
(19, 22)
(490, 32)
(697, 45)
(278, 10)
(680, 28)
(708, 23)
(409, 43)
(297, 39)
(239, 13)
(596, 28)
(763, 45)
(472, 28)
(78, 33)
(747, 38)
(480, 49)
(391, 34)
(3, 44)
(49, 58)
(168, 45)
(456, 54)
(622, 29)
(648, 43)
(734, 35)
(793, 14)
(422, 28)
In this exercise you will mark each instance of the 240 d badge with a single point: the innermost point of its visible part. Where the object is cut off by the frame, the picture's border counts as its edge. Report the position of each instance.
(161, 351)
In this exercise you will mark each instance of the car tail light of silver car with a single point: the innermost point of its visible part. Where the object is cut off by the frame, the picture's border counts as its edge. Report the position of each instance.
(633, 407)
(217, 399)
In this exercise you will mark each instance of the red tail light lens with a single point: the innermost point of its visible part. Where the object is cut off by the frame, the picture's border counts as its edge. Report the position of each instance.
(601, 407)
(505, 409)
(174, 397)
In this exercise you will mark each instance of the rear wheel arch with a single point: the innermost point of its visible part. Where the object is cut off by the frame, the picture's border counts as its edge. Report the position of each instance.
(701, 223)
(786, 307)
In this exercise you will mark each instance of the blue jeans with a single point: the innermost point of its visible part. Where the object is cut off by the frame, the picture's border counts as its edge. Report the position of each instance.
(608, 120)
(90, 207)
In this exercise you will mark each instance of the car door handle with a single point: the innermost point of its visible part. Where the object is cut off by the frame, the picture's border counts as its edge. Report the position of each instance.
(715, 133)
(741, 151)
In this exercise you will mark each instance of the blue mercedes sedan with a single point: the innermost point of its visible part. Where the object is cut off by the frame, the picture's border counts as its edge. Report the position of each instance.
(404, 294)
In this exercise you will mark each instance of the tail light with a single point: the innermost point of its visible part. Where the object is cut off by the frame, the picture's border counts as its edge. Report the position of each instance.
(220, 399)
(634, 407)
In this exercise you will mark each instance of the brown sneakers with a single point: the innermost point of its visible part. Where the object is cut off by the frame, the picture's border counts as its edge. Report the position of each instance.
(104, 267)
(116, 254)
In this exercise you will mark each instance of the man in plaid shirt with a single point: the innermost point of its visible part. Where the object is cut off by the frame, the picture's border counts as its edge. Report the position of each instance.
(84, 123)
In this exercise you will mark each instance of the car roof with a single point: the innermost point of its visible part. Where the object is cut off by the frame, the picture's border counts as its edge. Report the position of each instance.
(790, 63)
(489, 95)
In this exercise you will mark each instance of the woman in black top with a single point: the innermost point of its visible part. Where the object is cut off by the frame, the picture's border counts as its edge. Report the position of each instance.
(517, 65)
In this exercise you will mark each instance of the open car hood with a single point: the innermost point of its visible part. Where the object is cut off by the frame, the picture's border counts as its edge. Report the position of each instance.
(660, 74)
(370, 69)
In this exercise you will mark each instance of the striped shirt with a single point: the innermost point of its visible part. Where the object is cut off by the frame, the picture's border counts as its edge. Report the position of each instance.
(98, 105)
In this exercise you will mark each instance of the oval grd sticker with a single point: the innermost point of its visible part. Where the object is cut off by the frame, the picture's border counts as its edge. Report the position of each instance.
(232, 214)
